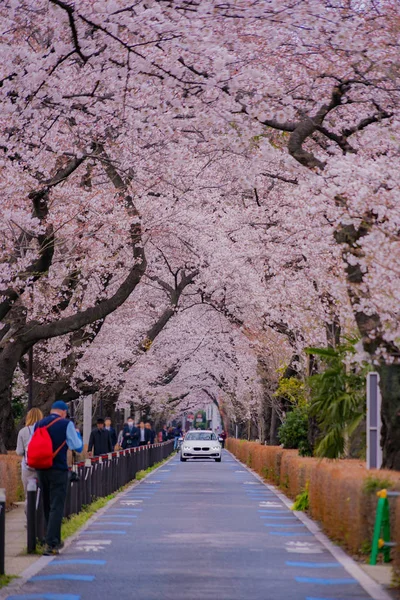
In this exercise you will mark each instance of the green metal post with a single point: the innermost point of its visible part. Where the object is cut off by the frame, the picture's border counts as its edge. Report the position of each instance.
(381, 530)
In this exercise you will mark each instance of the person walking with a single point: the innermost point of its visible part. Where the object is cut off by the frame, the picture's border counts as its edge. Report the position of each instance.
(177, 435)
(53, 482)
(100, 440)
(152, 432)
(32, 417)
(120, 434)
(144, 435)
(130, 435)
(223, 437)
(164, 433)
(112, 432)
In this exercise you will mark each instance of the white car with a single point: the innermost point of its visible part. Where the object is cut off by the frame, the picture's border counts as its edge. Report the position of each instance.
(201, 444)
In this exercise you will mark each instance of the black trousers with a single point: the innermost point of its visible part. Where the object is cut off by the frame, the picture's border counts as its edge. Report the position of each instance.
(53, 484)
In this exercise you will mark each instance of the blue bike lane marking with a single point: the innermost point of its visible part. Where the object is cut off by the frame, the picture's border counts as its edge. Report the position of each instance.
(62, 577)
(118, 516)
(108, 531)
(291, 533)
(326, 581)
(44, 597)
(127, 509)
(281, 512)
(286, 525)
(320, 598)
(310, 565)
(76, 561)
(146, 491)
(283, 517)
(125, 523)
(278, 513)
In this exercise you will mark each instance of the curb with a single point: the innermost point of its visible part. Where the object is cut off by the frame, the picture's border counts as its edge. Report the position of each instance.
(43, 561)
(374, 589)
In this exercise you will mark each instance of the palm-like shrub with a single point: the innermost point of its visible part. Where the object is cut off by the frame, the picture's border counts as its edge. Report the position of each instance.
(338, 397)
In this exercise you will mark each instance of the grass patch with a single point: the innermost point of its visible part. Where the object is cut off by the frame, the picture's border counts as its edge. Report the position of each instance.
(366, 547)
(75, 522)
(142, 474)
(6, 579)
(302, 501)
(374, 484)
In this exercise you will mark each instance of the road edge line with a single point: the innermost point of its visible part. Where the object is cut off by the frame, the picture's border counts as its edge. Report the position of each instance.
(43, 561)
(374, 589)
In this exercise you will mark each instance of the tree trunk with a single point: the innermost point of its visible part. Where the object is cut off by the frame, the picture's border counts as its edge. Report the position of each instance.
(8, 363)
(372, 332)
(313, 432)
(267, 421)
(390, 390)
(273, 432)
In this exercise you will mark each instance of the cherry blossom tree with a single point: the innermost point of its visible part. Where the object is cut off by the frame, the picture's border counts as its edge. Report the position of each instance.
(259, 144)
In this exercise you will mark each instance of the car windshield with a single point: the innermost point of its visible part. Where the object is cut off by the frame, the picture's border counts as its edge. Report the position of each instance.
(200, 435)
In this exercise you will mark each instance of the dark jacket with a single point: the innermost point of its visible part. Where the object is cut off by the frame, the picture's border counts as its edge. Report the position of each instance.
(147, 435)
(113, 436)
(58, 434)
(100, 442)
(130, 439)
(164, 435)
(152, 436)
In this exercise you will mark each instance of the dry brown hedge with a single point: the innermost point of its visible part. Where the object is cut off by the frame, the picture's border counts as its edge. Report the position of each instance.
(340, 492)
(10, 477)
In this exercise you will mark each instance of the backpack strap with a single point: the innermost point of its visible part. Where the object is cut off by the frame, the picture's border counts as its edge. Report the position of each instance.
(64, 442)
(52, 422)
(59, 448)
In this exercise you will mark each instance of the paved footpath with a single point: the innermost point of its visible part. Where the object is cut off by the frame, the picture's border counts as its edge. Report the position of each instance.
(195, 531)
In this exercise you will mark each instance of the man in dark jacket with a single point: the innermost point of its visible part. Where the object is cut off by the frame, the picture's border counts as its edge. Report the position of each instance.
(177, 435)
(144, 435)
(164, 432)
(223, 437)
(54, 482)
(130, 435)
(111, 431)
(152, 432)
(100, 440)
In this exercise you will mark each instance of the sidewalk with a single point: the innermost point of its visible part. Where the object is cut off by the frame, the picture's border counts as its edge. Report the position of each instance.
(382, 574)
(16, 558)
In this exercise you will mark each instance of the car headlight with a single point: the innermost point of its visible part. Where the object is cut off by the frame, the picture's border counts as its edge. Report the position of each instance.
(186, 447)
(217, 448)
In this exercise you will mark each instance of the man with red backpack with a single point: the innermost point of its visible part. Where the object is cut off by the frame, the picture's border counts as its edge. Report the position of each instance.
(47, 453)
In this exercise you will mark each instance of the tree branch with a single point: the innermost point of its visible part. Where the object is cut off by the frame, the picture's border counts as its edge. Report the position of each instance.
(40, 210)
(70, 11)
(34, 331)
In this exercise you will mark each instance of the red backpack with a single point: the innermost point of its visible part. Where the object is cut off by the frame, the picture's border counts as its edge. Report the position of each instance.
(39, 454)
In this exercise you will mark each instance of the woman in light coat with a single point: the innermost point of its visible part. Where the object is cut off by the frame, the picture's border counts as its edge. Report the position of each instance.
(32, 417)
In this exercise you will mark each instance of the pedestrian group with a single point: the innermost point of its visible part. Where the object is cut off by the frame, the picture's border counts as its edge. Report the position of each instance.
(44, 443)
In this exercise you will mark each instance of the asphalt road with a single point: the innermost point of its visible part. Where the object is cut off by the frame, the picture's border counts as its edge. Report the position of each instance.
(195, 531)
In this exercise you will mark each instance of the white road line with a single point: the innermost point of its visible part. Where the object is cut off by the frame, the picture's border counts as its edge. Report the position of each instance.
(372, 588)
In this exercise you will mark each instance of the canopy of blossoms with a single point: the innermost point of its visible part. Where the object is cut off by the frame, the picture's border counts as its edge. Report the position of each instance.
(190, 190)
